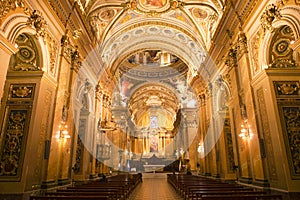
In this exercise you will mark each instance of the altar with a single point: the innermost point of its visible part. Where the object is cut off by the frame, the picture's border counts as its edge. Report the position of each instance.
(154, 164)
(154, 168)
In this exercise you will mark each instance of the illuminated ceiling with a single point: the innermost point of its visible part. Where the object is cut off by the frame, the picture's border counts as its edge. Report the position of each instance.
(126, 31)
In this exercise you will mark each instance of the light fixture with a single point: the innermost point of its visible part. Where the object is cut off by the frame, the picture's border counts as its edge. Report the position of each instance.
(63, 132)
(200, 148)
(245, 132)
(181, 151)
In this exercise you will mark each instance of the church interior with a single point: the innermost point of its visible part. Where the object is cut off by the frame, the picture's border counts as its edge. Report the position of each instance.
(101, 88)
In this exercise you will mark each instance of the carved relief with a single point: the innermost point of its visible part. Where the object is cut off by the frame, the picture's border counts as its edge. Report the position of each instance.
(281, 55)
(229, 145)
(9, 5)
(14, 140)
(100, 19)
(255, 47)
(16, 124)
(242, 44)
(38, 22)
(291, 124)
(53, 52)
(21, 91)
(41, 146)
(26, 59)
(80, 147)
(268, 16)
(75, 59)
(266, 133)
(231, 59)
(287, 88)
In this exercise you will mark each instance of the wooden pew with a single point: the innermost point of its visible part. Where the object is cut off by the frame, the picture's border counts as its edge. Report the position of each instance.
(243, 197)
(116, 187)
(191, 187)
(69, 197)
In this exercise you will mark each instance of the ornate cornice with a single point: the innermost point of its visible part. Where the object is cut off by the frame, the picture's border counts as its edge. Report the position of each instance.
(9, 5)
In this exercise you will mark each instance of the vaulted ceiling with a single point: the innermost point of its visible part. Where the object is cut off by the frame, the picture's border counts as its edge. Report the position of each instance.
(132, 29)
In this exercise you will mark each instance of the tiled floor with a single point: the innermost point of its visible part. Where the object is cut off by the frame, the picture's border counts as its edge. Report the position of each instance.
(154, 187)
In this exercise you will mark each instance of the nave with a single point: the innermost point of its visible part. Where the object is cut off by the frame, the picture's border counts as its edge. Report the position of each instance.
(154, 186)
(92, 87)
(158, 186)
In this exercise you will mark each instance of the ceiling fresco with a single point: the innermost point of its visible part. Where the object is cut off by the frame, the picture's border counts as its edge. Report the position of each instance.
(153, 49)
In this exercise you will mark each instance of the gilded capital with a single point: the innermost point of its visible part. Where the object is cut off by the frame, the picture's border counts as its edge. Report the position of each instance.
(231, 59)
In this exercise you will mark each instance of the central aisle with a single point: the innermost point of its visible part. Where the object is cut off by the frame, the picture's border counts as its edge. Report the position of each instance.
(154, 187)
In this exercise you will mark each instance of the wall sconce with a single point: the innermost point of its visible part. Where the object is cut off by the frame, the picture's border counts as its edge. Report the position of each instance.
(63, 132)
(245, 132)
(181, 151)
(200, 148)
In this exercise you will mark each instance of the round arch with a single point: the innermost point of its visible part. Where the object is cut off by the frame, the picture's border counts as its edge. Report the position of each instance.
(290, 17)
(16, 25)
(168, 38)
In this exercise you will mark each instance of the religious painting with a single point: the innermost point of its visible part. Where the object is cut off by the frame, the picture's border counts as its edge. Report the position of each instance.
(107, 14)
(125, 88)
(153, 3)
(199, 13)
(153, 122)
(153, 144)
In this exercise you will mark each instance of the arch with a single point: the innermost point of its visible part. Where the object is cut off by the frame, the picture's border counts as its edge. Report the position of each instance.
(145, 36)
(16, 25)
(222, 94)
(85, 90)
(29, 57)
(290, 17)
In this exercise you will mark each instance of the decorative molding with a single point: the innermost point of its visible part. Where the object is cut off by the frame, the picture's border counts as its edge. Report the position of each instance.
(20, 91)
(281, 55)
(37, 21)
(229, 146)
(75, 59)
(231, 59)
(254, 50)
(242, 44)
(266, 134)
(27, 58)
(287, 89)
(290, 119)
(53, 53)
(153, 8)
(14, 142)
(15, 129)
(269, 15)
(9, 5)
(47, 106)
(80, 147)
